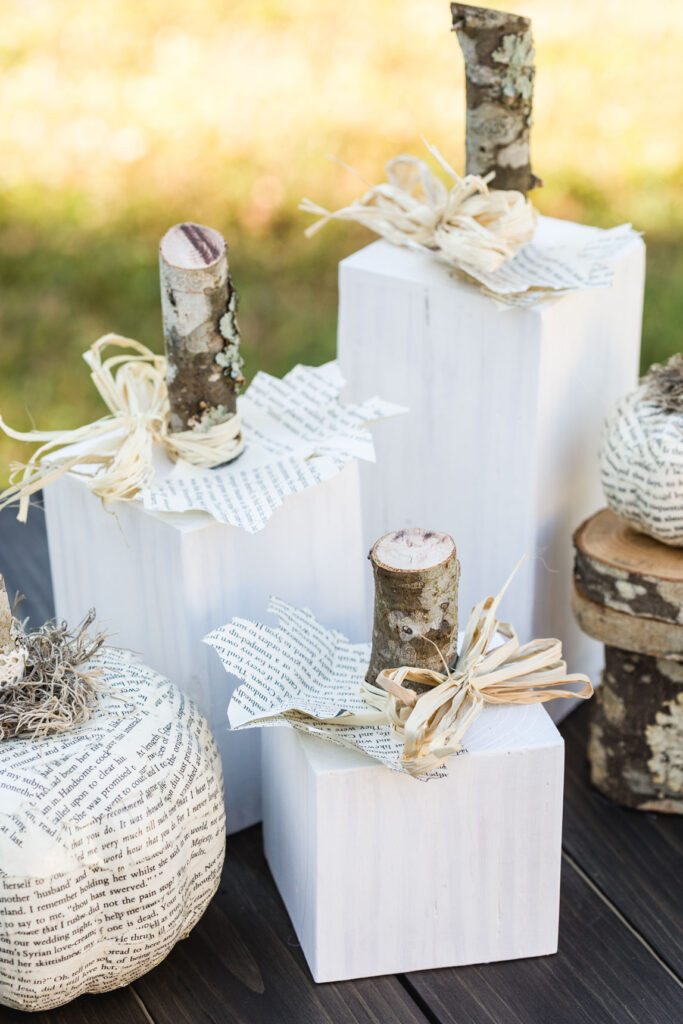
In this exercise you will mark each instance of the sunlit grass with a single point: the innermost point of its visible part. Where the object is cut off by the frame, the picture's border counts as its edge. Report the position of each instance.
(120, 118)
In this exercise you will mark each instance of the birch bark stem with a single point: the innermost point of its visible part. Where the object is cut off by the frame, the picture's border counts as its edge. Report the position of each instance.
(5, 616)
(499, 70)
(199, 306)
(416, 601)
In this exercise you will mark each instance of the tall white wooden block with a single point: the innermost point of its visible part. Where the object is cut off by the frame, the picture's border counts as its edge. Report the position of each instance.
(506, 408)
(382, 873)
(161, 584)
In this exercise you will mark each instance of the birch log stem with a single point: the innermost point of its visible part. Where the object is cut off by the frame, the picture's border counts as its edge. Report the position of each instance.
(416, 601)
(5, 616)
(499, 69)
(199, 306)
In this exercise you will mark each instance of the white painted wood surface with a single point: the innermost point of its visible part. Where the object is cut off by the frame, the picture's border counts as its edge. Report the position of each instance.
(160, 584)
(383, 874)
(500, 448)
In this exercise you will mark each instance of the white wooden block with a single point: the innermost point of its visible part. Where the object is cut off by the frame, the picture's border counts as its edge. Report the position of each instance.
(161, 584)
(500, 446)
(382, 873)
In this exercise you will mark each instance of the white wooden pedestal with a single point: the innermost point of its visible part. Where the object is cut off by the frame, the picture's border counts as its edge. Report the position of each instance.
(506, 409)
(161, 584)
(383, 874)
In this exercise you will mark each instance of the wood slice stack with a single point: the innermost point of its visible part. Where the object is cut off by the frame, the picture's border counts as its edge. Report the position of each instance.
(628, 593)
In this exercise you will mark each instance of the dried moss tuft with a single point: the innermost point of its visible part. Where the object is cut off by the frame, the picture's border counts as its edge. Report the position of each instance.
(664, 384)
(55, 693)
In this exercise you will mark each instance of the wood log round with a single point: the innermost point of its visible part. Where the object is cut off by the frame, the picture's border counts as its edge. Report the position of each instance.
(499, 70)
(643, 636)
(628, 571)
(416, 600)
(628, 588)
(636, 735)
(199, 306)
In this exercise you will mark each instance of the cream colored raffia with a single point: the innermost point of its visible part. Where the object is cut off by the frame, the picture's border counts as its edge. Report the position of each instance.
(121, 444)
(467, 225)
(433, 720)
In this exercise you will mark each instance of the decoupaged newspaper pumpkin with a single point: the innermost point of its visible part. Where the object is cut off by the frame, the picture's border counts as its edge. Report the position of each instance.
(112, 837)
(641, 456)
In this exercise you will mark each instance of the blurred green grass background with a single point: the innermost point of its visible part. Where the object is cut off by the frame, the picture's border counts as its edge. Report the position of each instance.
(120, 118)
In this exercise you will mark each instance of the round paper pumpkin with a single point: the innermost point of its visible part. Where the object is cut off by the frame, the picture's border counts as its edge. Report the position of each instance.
(112, 838)
(641, 456)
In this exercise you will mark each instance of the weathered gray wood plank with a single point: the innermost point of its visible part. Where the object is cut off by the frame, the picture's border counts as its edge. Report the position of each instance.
(635, 858)
(243, 963)
(602, 974)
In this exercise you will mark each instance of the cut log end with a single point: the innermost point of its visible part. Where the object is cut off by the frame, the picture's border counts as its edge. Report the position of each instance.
(201, 334)
(192, 247)
(413, 550)
(469, 17)
(416, 601)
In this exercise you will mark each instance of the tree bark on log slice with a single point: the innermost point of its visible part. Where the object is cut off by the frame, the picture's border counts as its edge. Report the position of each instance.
(416, 601)
(499, 55)
(199, 307)
(642, 635)
(636, 735)
(628, 571)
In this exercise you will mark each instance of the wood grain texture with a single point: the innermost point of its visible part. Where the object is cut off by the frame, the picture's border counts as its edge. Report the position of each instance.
(635, 744)
(654, 637)
(415, 623)
(507, 405)
(160, 584)
(626, 570)
(633, 858)
(623, 982)
(243, 964)
(122, 1006)
(340, 833)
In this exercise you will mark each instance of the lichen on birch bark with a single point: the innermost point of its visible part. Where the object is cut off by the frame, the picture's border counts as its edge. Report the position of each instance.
(499, 55)
(634, 747)
(416, 575)
(5, 616)
(201, 335)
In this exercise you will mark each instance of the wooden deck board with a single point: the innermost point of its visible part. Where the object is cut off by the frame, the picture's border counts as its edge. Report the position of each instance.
(243, 963)
(601, 974)
(620, 917)
(119, 1007)
(634, 858)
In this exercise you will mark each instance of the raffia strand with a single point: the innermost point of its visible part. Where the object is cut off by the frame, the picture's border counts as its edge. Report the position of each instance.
(433, 715)
(120, 444)
(466, 225)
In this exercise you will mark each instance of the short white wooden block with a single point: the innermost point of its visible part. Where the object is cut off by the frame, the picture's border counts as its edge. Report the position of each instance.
(161, 584)
(382, 873)
(506, 409)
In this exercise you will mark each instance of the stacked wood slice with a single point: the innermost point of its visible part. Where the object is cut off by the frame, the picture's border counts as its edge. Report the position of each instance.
(628, 593)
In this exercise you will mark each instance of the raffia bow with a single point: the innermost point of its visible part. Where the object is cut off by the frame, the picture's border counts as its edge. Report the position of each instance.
(467, 226)
(433, 719)
(121, 444)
